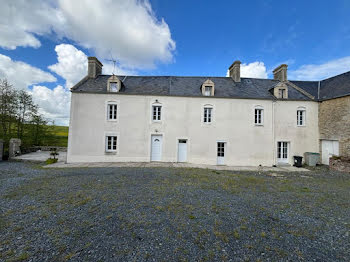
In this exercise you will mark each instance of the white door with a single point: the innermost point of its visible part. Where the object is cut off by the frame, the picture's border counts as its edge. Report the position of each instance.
(182, 150)
(221, 153)
(282, 152)
(156, 148)
(329, 148)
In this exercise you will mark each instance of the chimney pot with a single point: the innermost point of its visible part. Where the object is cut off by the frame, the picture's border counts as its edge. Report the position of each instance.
(235, 71)
(94, 67)
(280, 73)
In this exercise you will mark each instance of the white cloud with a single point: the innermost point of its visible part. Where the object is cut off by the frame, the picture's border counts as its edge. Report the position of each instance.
(253, 70)
(54, 103)
(22, 75)
(321, 71)
(129, 30)
(72, 64)
(22, 20)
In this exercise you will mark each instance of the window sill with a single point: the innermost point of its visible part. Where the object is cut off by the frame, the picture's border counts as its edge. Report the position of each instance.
(259, 124)
(110, 152)
(112, 120)
(301, 125)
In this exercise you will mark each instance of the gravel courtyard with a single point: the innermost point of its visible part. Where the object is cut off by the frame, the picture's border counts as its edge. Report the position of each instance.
(172, 214)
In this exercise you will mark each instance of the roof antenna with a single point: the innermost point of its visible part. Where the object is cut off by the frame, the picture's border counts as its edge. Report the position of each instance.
(114, 61)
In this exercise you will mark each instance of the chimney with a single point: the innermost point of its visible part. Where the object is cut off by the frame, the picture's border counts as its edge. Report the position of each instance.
(280, 73)
(94, 67)
(235, 71)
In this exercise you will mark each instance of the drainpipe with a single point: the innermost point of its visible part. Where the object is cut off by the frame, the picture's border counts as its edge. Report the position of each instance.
(273, 133)
(318, 90)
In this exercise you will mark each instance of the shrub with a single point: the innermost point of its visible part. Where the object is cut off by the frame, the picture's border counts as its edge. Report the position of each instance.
(50, 161)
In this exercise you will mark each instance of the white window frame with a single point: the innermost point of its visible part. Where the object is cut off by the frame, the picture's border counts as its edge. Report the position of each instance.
(114, 112)
(205, 114)
(301, 116)
(256, 119)
(156, 115)
(113, 138)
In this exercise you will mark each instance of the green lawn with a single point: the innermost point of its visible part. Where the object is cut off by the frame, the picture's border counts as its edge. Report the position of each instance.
(60, 136)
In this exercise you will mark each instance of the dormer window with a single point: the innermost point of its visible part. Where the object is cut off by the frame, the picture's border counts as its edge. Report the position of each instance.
(113, 84)
(113, 87)
(281, 91)
(208, 88)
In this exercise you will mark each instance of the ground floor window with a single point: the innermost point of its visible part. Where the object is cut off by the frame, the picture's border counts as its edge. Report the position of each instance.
(111, 143)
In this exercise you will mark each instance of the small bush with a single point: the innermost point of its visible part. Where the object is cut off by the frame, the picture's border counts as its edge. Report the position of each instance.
(50, 161)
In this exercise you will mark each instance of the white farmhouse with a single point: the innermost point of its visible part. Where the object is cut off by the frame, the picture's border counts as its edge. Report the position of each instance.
(202, 120)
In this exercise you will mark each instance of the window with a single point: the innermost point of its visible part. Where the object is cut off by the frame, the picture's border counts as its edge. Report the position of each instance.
(221, 149)
(281, 93)
(112, 112)
(301, 117)
(207, 114)
(156, 116)
(207, 90)
(111, 143)
(113, 87)
(259, 116)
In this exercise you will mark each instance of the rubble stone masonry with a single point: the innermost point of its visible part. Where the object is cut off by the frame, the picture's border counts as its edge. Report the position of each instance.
(334, 122)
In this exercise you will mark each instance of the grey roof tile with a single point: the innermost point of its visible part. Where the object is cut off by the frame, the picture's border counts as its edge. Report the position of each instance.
(336, 86)
(188, 86)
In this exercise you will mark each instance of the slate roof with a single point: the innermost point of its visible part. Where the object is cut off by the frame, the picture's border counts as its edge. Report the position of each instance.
(225, 87)
(336, 86)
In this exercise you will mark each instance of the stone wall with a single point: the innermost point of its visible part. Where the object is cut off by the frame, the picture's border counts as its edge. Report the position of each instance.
(339, 164)
(334, 122)
(14, 147)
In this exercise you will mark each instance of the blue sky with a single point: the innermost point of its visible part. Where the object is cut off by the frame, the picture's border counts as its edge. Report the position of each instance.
(46, 48)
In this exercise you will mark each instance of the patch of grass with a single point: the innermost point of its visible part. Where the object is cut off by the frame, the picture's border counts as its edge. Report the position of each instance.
(236, 234)
(22, 257)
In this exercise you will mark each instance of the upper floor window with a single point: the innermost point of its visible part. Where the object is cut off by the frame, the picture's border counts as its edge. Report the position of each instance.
(111, 143)
(207, 116)
(157, 113)
(112, 111)
(259, 116)
(301, 114)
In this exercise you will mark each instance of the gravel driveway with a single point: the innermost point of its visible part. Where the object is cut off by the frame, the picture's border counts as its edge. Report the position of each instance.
(172, 214)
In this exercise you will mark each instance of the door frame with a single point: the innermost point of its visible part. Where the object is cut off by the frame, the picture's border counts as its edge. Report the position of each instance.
(150, 145)
(278, 160)
(177, 149)
(328, 140)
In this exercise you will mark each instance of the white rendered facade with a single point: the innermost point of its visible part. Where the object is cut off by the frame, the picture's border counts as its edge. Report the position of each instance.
(182, 118)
